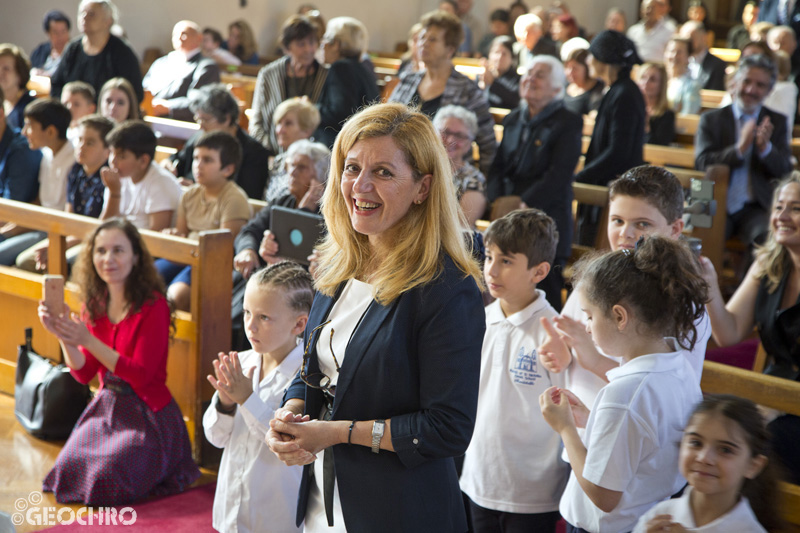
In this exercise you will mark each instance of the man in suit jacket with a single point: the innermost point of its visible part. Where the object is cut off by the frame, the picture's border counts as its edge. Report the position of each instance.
(706, 68)
(171, 78)
(751, 139)
(537, 158)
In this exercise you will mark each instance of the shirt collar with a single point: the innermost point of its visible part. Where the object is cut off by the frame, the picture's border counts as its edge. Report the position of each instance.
(738, 112)
(651, 363)
(291, 364)
(494, 314)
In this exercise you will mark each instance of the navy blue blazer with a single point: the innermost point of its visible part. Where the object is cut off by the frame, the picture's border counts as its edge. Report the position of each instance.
(415, 361)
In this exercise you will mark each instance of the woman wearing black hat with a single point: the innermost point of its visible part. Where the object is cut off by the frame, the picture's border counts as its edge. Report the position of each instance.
(618, 136)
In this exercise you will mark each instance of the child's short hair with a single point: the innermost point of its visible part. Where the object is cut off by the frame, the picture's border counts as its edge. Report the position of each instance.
(82, 88)
(49, 112)
(525, 231)
(655, 185)
(98, 123)
(230, 151)
(293, 279)
(135, 136)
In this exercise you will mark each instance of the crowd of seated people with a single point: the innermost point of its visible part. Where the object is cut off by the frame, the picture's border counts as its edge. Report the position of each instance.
(88, 148)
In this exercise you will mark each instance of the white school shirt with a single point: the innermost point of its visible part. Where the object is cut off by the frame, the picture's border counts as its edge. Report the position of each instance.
(585, 384)
(740, 519)
(256, 491)
(632, 439)
(53, 172)
(512, 463)
(157, 191)
(344, 317)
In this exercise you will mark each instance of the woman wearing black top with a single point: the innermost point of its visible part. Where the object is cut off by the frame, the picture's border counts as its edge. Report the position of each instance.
(660, 126)
(584, 92)
(349, 85)
(618, 136)
(500, 78)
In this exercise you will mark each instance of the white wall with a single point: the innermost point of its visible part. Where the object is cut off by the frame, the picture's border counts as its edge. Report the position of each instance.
(149, 22)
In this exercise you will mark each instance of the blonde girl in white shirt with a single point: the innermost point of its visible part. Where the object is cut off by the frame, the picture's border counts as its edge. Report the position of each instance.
(255, 490)
(732, 487)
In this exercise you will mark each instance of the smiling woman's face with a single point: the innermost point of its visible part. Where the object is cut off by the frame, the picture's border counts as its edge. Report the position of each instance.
(379, 187)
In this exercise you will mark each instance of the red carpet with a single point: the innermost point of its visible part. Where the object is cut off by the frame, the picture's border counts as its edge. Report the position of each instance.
(189, 512)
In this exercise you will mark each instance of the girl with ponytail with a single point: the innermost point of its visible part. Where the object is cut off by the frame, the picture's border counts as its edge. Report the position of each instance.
(642, 306)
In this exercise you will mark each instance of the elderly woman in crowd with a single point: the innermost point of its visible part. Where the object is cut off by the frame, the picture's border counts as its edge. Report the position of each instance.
(660, 125)
(98, 55)
(295, 74)
(307, 165)
(390, 375)
(618, 136)
(215, 109)
(769, 299)
(14, 75)
(349, 85)
(500, 78)
(117, 101)
(537, 158)
(440, 84)
(46, 57)
(458, 127)
(584, 92)
(683, 92)
(295, 119)
(241, 42)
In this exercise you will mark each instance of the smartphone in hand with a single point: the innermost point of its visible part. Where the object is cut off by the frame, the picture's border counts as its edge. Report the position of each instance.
(53, 294)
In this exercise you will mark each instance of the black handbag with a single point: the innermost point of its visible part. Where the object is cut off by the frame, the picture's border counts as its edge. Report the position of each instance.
(47, 399)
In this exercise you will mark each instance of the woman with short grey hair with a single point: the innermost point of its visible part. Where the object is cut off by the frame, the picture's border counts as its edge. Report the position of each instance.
(215, 109)
(458, 126)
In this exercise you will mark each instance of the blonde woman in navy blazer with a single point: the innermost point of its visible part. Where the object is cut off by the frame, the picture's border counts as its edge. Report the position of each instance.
(413, 358)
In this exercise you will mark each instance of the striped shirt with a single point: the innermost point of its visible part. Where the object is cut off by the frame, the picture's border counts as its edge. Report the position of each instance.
(271, 91)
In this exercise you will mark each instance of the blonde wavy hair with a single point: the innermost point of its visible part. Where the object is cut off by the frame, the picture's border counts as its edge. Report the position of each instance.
(426, 233)
(773, 258)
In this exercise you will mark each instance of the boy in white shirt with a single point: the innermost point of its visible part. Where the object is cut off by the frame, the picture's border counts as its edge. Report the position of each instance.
(255, 490)
(45, 127)
(512, 472)
(646, 200)
(136, 188)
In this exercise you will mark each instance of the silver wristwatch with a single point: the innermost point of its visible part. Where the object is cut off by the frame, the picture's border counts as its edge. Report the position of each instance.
(377, 434)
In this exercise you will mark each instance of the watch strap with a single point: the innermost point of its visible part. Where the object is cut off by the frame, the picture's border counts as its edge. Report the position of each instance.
(378, 428)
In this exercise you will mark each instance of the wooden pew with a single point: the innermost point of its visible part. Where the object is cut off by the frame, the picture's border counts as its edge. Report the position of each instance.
(664, 156)
(40, 85)
(685, 126)
(769, 391)
(198, 337)
(711, 99)
(729, 55)
(172, 133)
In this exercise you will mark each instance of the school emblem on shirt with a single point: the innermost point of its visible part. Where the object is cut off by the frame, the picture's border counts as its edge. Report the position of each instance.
(525, 369)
